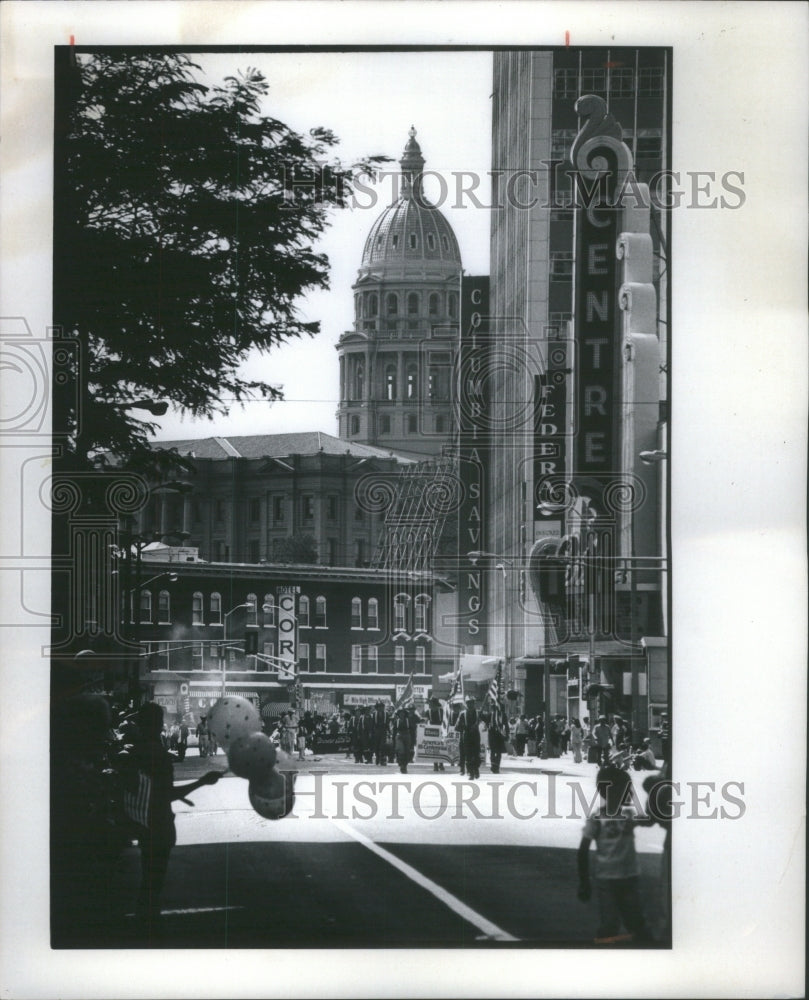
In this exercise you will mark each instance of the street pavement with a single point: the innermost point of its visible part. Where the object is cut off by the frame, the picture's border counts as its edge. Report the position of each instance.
(374, 858)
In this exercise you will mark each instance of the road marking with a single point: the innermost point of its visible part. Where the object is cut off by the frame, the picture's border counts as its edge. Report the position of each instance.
(490, 930)
(195, 909)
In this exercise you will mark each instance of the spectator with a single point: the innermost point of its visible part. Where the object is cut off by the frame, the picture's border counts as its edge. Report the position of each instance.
(520, 736)
(602, 737)
(576, 740)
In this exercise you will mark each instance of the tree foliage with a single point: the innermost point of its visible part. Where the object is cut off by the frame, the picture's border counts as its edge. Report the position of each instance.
(301, 548)
(186, 221)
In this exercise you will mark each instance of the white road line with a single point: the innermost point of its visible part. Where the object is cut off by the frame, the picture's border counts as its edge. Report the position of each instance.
(489, 929)
(196, 909)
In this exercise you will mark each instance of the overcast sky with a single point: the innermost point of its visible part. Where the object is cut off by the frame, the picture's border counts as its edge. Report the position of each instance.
(370, 100)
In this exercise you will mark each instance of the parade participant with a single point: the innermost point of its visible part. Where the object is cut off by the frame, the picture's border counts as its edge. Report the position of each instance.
(602, 737)
(617, 874)
(413, 721)
(435, 717)
(520, 736)
(380, 734)
(202, 736)
(182, 743)
(366, 737)
(497, 744)
(576, 740)
(468, 727)
(148, 778)
(401, 739)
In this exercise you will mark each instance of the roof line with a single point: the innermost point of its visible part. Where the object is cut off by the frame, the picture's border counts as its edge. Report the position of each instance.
(227, 447)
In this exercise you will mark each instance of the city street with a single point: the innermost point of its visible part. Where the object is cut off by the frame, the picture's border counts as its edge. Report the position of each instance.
(374, 858)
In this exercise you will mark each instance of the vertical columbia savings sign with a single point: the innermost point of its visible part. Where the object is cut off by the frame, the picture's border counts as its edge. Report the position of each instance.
(473, 449)
(286, 598)
(601, 164)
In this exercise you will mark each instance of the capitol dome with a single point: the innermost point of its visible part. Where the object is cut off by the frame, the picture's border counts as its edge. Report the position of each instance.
(411, 233)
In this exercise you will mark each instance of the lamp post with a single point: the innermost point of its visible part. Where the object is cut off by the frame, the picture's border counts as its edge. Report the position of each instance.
(238, 607)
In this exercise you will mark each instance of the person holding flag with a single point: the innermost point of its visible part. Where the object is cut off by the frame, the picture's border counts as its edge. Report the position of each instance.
(497, 723)
(456, 697)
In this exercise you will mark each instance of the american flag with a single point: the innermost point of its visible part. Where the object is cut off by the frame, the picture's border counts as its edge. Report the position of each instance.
(455, 697)
(297, 693)
(498, 712)
(136, 800)
(405, 699)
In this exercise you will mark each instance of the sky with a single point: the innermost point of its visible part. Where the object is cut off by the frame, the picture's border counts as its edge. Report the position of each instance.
(369, 100)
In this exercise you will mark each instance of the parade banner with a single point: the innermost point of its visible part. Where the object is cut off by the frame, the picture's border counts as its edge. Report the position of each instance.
(435, 743)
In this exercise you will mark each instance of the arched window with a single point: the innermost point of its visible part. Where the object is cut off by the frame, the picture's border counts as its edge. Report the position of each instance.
(252, 609)
(412, 381)
(216, 609)
(413, 304)
(434, 303)
(400, 613)
(373, 304)
(453, 304)
(390, 382)
(414, 242)
(392, 304)
(196, 609)
(269, 611)
(422, 617)
(354, 425)
(320, 612)
(164, 608)
(445, 243)
(303, 612)
(373, 613)
(421, 660)
(431, 241)
(356, 612)
(146, 606)
(359, 380)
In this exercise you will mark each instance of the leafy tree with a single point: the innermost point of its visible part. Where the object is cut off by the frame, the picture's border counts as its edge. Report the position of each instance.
(295, 549)
(184, 231)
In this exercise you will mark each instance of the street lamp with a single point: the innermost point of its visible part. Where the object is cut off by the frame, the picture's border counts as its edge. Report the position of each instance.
(238, 607)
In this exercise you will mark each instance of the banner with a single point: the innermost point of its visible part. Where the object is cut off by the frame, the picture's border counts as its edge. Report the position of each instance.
(435, 743)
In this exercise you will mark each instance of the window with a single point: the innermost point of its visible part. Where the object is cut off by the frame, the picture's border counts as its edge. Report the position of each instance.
(392, 304)
(219, 510)
(253, 550)
(412, 304)
(303, 656)
(422, 603)
(394, 241)
(354, 425)
(413, 241)
(320, 612)
(412, 424)
(277, 509)
(163, 656)
(373, 659)
(564, 84)
(434, 304)
(331, 508)
(359, 552)
(267, 649)
(421, 660)
(622, 82)
(216, 651)
(196, 656)
(359, 381)
(561, 215)
(452, 301)
(373, 304)
(356, 659)
(252, 610)
(398, 660)
(440, 425)
(216, 609)
(650, 81)
(373, 613)
(255, 509)
(303, 612)
(221, 551)
(412, 376)
(561, 265)
(196, 609)
(594, 81)
(269, 611)
(561, 141)
(400, 613)
(331, 551)
(431, 241)
(164, 607)
(384, 428)
(308, 508)
(356, 612)
(320, 656)
(445, 243)
(390, 382)
(146, 606)
(649, 147)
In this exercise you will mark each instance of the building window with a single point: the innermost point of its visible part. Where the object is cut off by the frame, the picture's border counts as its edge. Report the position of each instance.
(412, 304)
(354, 425)
(373, 659)
(394, 241)
(434, 304)
(303, 612)
(331, 551)
(594, 81)
(412, 383)
(356, 659)
(221, 551)
(390, 382)
(252, 610)
(196, 656)
(331, 508)
(320, 656)
(373, 304)
(268, 649)
(278, 509)
(216, 609)
(215, 652)
(445, 243)
(308, 508)
(146, 606)
(356, 612)
(163, 656)
(359, 381)
(400, 613)
(253, 550)
(413, 241)
(440, 425)
(421, 660)
(452, 303)
(384, 428)
(412, 424)
(303, 656)
(219, 511)
(564, 84)
(255, 509)
(320, 612)
(373, 613)
(196, 609)
(398, 660)
(430, 241)
(561, 141)
(392, 304)
(561, 265)
(650, 81)
(622, 82)
(422, 604)
(164, 608)
(269, 611)
(649, 147)
(359, 552)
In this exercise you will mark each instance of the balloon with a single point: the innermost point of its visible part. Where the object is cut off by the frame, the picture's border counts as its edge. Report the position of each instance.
(252, 756)
(274, 797)
(231, 718)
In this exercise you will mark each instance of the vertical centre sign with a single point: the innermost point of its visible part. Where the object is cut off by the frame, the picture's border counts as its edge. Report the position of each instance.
(287, 627)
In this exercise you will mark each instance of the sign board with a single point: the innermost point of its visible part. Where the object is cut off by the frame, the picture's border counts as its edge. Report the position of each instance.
(287, 629)
(435, 743)
(366, 699)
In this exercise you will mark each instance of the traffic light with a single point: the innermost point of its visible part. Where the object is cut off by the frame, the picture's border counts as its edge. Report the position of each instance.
(251, 643)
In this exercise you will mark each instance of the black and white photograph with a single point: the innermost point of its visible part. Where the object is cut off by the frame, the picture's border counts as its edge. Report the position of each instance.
(374, 463)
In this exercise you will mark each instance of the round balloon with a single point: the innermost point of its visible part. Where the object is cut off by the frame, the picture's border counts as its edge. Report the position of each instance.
(231, 718)
(274, 797)
(252, 757)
